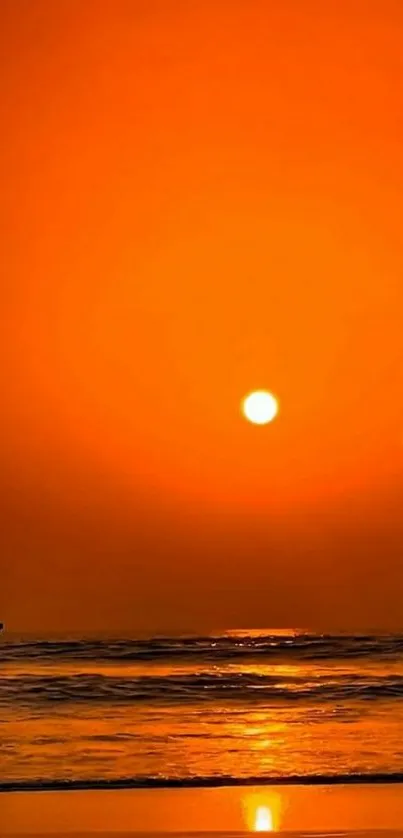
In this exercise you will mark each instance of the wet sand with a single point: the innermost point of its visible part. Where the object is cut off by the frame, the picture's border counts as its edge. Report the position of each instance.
(298, 809)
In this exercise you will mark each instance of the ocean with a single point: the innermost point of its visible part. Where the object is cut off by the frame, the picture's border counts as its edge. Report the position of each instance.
(235, 707)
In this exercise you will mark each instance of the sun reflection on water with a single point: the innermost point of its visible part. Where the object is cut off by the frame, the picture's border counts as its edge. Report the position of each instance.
(262, 811)
(263, 820)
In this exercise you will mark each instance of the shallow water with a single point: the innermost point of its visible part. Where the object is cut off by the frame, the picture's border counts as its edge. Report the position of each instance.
(230, 707)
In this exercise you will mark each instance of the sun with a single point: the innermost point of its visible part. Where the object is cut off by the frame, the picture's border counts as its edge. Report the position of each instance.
(260, 407)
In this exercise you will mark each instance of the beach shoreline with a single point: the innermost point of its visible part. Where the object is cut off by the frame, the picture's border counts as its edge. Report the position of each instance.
(156, 783)
(299, 809)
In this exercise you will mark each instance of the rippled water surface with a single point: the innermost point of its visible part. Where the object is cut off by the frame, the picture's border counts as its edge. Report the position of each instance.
(240, 705)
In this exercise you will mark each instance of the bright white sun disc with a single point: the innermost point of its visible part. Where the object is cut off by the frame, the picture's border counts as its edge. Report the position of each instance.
(260, 407)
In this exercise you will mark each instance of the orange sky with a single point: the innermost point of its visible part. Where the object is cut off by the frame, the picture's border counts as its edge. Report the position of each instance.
(201, 198)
